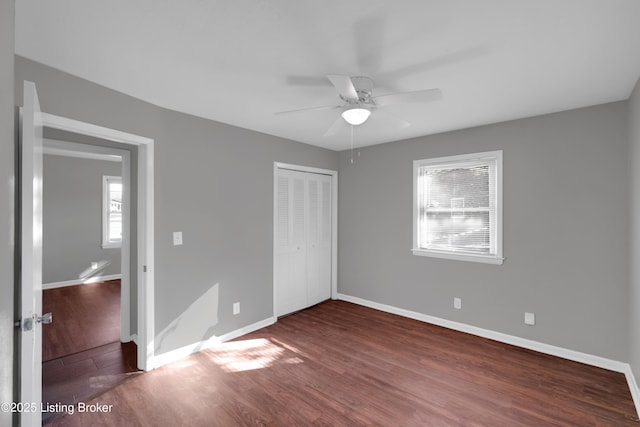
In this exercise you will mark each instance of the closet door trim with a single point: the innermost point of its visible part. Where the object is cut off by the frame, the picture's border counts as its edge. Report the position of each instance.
(334, 223)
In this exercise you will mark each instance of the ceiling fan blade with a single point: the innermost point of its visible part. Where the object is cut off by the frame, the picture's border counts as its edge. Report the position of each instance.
(300, 110)
(427, 95)
(335, 127)
(397, 121)
(344, 86)
(449, 59)
(369, 39)
(307, 81)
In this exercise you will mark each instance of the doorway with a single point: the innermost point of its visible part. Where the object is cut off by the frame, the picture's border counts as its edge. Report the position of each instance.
(144, 332)
(85, 272)
(87, 237)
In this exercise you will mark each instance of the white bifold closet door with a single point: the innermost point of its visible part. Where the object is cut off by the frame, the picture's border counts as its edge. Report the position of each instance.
(303, 240)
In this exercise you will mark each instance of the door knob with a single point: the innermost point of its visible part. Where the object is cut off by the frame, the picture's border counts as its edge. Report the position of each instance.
(45, 318)
(27, 324)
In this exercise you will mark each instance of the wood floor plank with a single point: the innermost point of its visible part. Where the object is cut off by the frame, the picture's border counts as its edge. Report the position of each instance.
(90, 353)
(84, 317)
(82, 376)
(339, 364)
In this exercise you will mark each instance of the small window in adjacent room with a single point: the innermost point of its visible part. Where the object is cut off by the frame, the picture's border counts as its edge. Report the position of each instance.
(111, 211)
(457, 207)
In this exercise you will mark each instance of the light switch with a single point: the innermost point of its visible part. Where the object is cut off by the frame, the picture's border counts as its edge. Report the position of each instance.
(177, 238)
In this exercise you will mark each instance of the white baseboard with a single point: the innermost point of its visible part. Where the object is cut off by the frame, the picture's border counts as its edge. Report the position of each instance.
(76, 282)
(576, 356)
(182, 352)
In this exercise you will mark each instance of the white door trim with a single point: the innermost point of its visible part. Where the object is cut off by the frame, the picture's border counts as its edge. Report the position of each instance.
(145, 236)
(334, 223)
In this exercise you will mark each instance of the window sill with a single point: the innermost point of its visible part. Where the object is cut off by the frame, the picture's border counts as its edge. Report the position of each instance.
(486, 259)
(111, 245)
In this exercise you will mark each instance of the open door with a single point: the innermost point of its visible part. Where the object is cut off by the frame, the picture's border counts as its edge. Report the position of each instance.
(31, 258)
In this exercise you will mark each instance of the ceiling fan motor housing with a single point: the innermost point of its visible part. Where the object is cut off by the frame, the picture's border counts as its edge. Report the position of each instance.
(364, 88)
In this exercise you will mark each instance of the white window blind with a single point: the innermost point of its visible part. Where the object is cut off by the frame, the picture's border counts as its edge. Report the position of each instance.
(112, 211)
(457, 207)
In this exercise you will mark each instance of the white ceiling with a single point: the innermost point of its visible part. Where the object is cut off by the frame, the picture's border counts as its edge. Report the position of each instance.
(240, 61)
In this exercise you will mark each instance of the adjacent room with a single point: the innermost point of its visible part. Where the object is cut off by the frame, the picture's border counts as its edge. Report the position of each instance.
(320, 213)
(83, 225)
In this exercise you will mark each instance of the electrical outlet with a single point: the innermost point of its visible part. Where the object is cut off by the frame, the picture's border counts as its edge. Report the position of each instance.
(530, 319)
(457, 303)
(177, 238)
(236, 308)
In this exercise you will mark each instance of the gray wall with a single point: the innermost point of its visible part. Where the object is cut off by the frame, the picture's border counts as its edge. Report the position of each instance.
(634, 290)
(7, 138)
(566, 212)
(72, 218)
(214, 183)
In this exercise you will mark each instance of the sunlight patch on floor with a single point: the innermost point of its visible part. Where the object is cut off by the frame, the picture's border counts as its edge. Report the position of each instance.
(184, 363)
(246, 355)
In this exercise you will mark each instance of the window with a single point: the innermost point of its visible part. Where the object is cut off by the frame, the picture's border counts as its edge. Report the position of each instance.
(111, 211)
(457, 207)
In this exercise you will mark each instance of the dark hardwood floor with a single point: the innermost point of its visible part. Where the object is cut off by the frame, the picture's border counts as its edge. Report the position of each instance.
(339, 364)
(82, 376)
(82, 353)
(84, 317)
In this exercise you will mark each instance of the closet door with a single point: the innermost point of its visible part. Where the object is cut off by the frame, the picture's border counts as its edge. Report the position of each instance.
(291, 246)
(318, 238)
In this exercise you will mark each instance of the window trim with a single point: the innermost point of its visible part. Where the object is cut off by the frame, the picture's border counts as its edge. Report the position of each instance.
(106, 243)
(461, 160)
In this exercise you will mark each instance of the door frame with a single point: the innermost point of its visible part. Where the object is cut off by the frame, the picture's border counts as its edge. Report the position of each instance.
(145, 224)
(334, 224)
(98, 152)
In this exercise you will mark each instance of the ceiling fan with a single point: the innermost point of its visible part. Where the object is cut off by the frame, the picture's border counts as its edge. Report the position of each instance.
(358, 102)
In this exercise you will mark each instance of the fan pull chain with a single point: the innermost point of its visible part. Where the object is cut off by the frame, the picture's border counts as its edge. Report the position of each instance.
(351, 144)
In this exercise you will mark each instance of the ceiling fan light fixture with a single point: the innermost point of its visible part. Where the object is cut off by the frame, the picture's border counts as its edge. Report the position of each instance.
(356, 115)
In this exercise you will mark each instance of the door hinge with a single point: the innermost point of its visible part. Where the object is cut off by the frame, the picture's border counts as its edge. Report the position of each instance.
(144, 268)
